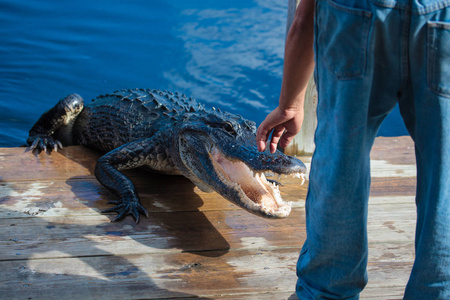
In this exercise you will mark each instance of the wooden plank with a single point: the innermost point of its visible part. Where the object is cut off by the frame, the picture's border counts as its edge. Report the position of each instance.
(62, 183)
(393, 187)
(75, 166)
(192, 231)
(87, 196)
(396, 150)
(80, 161)
(154, 276)
(158, 193)
(163, 193)
(260, 296)
(159, 276)
(56, 244)
(175, 232)
(20, 164)
(387, 223)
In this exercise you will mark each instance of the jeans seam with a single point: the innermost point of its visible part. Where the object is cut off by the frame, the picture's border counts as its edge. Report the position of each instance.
(351, 10)
(404, 44)
(366, 21)
(431, 57)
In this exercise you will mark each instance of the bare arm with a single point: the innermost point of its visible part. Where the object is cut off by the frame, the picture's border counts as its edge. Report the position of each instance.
(286, 120)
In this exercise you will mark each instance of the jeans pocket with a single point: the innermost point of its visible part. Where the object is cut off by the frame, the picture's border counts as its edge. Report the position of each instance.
(342, 37)
(438, 68)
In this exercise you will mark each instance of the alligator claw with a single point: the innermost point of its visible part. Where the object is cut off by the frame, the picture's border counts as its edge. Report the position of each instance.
(126, 208)
(43, 142)
(34, 144)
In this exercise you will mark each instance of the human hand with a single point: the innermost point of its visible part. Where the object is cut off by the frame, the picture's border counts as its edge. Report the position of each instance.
(285, 123)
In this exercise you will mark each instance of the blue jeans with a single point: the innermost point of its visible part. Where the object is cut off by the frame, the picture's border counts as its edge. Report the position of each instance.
(370, 55)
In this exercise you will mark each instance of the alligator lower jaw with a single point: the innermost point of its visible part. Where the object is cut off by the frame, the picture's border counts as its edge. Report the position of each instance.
(255, 193)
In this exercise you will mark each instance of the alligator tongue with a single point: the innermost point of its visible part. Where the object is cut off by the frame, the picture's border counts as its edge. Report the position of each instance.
(255, 186)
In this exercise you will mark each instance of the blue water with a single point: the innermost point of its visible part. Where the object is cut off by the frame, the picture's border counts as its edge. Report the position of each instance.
(227, 54)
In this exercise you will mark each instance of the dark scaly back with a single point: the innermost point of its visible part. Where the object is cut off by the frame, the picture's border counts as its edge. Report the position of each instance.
(112, 120)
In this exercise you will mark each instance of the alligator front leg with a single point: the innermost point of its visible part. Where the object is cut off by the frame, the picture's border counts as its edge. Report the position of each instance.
(62, 115)
(107, 171)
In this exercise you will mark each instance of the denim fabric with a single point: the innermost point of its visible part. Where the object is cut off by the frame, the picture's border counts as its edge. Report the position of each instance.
(369, 56)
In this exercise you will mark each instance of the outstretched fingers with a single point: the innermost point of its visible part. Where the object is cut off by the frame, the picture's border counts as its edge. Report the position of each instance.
(277, 134)
(283, 124)
(286, 139)
(271, 123)
(262, 135)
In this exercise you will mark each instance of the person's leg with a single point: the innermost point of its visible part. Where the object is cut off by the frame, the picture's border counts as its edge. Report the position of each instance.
(358, 75)
(427, 115)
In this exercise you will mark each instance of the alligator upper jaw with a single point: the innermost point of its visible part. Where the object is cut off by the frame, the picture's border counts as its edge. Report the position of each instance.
(206, 165)
(249, 189)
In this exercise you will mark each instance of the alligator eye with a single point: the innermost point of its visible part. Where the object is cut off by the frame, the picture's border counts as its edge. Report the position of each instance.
(228, 127)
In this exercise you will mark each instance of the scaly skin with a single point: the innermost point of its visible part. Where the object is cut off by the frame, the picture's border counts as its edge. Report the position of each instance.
(170, 134)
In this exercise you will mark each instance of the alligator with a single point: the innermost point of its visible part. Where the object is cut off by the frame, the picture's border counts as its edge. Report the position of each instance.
(172, 134)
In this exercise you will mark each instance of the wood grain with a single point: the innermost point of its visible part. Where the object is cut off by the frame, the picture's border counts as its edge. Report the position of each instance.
(56, 244)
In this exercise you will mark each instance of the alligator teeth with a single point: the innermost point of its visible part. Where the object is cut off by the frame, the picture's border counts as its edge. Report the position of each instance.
(255, 192)
(300, 176)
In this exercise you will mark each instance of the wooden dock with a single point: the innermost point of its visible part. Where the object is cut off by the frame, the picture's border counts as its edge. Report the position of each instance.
(55, 244)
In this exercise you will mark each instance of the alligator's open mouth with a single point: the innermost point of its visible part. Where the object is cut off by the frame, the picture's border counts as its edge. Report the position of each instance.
(256, 193)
